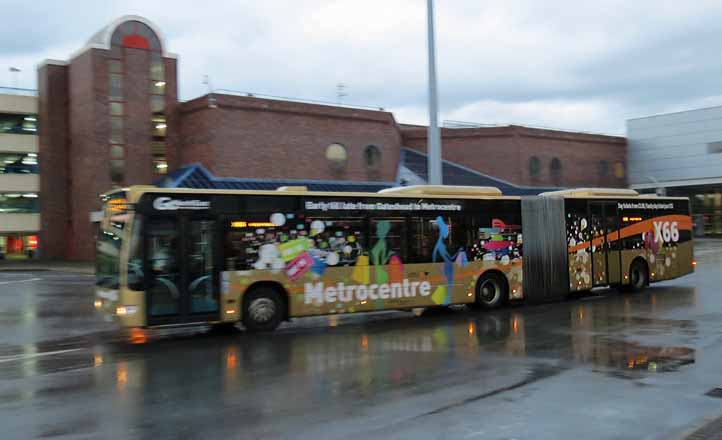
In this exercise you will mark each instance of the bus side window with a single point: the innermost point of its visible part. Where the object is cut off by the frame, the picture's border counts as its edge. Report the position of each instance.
(337, 241)
(628, 218)
(422, 235)
(251, 243)
(388, 239)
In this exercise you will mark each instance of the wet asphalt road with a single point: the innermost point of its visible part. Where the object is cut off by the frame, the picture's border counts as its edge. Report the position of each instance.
(604, 366)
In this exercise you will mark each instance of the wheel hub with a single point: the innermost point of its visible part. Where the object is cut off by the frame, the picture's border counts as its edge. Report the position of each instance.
(489, 291)
(262, 309)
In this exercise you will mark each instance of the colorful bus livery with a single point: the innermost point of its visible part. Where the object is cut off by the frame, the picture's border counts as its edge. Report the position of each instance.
(259, 257)
(626, 243)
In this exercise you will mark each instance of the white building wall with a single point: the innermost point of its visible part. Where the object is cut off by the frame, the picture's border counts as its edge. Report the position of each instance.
(674, 149)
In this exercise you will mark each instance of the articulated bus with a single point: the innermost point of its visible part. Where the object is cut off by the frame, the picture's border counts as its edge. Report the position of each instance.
(182, 256)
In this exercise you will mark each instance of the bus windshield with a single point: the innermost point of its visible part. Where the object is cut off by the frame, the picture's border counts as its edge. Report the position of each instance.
(110, 238)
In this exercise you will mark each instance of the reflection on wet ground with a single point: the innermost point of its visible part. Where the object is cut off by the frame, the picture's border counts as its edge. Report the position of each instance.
(317, 371)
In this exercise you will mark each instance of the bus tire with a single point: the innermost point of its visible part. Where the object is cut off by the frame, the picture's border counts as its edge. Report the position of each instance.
(638, 276)
(263, 309)
(492, 290)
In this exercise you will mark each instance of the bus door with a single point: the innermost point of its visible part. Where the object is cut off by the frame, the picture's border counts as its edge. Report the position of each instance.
(182, 285)
(606, 248)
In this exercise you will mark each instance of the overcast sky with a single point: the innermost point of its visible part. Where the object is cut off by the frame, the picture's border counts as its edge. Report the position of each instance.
(568, 64)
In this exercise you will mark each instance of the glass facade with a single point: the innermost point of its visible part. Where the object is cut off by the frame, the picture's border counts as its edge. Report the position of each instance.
(134, 34)
(18, 163)
(18, 124)
(19, 203)
(157, 103)
(706, 205)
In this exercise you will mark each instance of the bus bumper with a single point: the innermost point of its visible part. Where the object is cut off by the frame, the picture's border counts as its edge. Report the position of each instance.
(124, 307)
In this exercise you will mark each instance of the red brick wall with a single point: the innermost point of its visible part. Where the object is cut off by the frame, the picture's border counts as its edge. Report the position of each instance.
(579, 154)
(504, 153)
(53, 160)
(196, 135)
(89, 155)
(260, 138)
(87, 134)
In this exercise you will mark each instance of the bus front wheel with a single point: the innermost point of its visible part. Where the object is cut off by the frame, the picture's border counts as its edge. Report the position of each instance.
(491, 291)
(263, 309)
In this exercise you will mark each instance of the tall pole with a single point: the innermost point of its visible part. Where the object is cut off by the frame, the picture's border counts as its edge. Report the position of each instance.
(434, 138)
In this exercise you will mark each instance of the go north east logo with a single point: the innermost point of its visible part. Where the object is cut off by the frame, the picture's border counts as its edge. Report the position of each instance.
(318, 294)
(168, 204)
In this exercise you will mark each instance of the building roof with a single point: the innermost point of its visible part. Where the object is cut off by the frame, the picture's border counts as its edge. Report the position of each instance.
(197, 176)
(413, 170)
(101, 39)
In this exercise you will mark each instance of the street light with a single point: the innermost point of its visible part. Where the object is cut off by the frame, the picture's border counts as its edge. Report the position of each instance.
(434, 138)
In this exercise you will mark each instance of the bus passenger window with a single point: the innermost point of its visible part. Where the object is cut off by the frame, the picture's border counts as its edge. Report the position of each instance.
(422, 234)
(250, 243)
(388, 238)
(337, 242)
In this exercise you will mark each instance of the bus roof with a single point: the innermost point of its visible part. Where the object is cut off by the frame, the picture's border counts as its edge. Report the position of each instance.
(590, 193)
(427, 191)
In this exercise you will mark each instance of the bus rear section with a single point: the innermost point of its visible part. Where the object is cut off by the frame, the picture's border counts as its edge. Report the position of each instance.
(628, 242)
(611, 237)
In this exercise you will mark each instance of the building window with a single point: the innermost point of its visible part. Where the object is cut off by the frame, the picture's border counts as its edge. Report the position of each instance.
(116, 86)
(336, 155)
(116, 130)
(18, 124)
(372, 156)
(116, 111)
(555, 170)
(534, 166)
(19, 203)
(603, 168)
(117, 171)
(157, 103)
(18, 163)
(160, 164)
(619, 170)
(117, 152)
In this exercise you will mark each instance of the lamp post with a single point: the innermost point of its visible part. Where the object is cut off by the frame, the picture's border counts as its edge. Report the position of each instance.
(434, 138)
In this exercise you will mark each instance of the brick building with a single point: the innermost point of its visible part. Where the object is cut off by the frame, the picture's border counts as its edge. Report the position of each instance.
(110, 116)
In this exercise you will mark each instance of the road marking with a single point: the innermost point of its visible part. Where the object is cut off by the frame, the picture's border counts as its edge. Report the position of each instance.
(21, 281)
(22, 357)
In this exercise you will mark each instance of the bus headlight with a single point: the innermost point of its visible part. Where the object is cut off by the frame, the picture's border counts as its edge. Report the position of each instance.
(98, 303)
(125, 310)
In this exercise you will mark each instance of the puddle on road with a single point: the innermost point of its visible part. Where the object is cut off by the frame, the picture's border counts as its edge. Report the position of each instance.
(630, 360)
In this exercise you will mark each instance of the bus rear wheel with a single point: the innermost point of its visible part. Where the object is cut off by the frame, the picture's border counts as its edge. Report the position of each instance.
(638, 277)
(263, 309)
(491, 291)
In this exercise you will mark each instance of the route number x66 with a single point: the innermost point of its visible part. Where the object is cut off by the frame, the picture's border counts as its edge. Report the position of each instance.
(666, 231)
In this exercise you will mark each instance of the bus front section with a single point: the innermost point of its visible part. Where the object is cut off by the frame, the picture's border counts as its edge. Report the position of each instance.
(117, 235)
